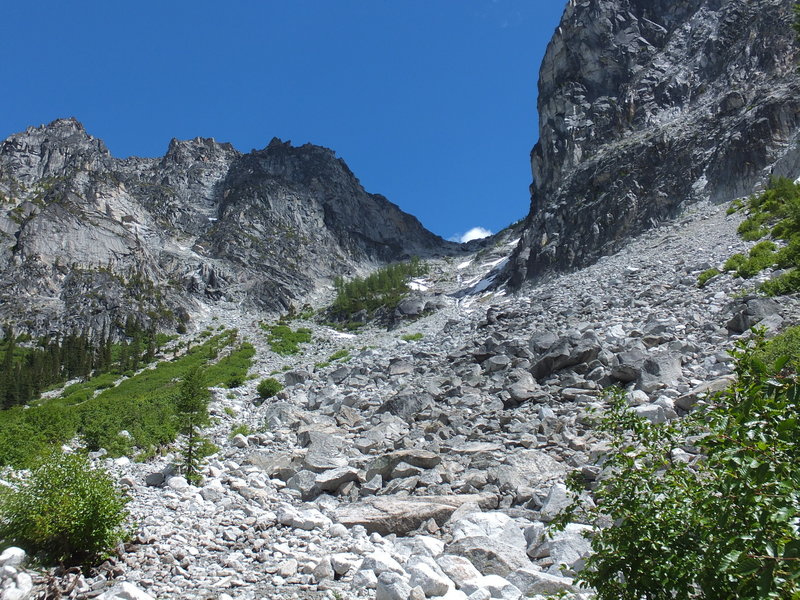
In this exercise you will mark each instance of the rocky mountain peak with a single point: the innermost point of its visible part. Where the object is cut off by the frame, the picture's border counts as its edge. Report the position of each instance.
(199, 149)
(203, 223)
(50, 151)
(646, 107)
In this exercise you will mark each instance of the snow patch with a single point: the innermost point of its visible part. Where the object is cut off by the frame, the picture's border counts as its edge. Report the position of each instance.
(464, 264)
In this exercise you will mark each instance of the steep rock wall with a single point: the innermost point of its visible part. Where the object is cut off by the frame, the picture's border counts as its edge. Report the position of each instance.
(646, 106)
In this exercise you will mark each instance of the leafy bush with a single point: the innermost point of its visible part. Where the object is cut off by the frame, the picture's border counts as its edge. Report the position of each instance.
(241, 428)
(723, 524)
(413, 337)
(776, 213)
(785, 344)
(269, 387)
(284, 341)
(787, 283)
(338, 355)
(65, 510)
(703, 278)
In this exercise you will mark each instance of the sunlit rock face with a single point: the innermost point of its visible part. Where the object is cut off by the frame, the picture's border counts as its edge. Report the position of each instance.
(87, 239)
(646, 106)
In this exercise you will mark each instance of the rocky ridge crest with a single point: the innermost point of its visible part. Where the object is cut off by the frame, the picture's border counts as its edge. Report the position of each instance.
(86, 239)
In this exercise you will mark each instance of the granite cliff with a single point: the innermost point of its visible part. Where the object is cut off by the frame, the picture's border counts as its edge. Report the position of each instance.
(648, 106)
(87, 239)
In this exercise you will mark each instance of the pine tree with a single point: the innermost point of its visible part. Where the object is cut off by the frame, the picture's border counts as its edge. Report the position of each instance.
(192, 411)
(7, 372)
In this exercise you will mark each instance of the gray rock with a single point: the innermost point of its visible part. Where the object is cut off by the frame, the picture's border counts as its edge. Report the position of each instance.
(332, 480)
(125, 591)
(12, 557)
(660, 370)
(490, 556)
(304, 482)
(392, 586)
(618, 116)
(402, 515)
(385, 465)
(532, 582)
(497, 586)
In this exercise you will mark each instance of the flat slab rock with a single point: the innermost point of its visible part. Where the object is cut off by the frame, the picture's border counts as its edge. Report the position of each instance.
(403, 514)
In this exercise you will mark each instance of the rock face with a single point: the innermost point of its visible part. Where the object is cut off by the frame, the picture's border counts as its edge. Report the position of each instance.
(86, 238)
(646, 106)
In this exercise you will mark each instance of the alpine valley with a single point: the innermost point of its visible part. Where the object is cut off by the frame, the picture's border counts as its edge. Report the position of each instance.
(425, 418)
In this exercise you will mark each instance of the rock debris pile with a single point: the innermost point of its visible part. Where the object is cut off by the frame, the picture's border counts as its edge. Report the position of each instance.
(432, 468)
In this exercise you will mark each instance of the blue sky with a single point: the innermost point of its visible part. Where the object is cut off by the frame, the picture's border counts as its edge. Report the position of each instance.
(432, 103)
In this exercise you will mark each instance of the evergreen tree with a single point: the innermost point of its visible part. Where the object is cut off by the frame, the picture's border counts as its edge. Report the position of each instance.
(192, 411)
(8, 374)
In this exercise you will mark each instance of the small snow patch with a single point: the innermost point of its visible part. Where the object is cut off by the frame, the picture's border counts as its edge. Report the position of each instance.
(419, 285)
(500, 262)
(464, 264)
(340, 334)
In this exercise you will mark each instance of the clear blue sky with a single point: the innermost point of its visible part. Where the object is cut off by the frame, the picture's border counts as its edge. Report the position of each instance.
(432, 103)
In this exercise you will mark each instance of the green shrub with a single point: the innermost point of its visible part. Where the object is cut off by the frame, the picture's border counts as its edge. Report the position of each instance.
(338, 355)
(413, 337)
(703, 278)
(284, 341)
(734, 262)
(64, 510)
(723, 526)
(786, 283)
(776, 213)
(269, 387)
(234, 382)
(242, 428)
(786, 344)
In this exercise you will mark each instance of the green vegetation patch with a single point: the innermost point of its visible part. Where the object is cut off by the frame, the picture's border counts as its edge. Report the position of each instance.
(64, 511)
(787, 344)
(718, 524)
(269, 387)
(413, 337)
(144, 406)
(242, 428)
(285, 341)
(775, 213)
(384, 288)
(339, 355)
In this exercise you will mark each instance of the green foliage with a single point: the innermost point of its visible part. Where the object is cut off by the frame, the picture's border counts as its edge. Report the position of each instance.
(269, 387)
(143, 405)
(242, 428)
(786, 283)
(339, 355)
(383, 288)
(796, 24)
(785, 344)
(191, 410)
(285, 341)
(724, 525)
(65, 511)
(413, 337)
(776, 213)
(229, 411)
